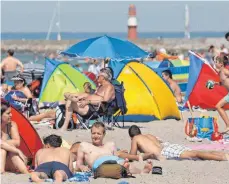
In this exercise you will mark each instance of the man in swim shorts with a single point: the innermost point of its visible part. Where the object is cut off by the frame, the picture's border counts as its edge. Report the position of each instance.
(52, 161)
(96, 153)
(165, 150)
(9, 66)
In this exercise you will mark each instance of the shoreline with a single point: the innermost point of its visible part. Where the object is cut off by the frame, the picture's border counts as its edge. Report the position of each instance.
(176, 44)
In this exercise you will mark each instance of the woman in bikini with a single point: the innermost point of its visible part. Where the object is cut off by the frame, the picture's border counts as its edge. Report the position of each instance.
(12, 159)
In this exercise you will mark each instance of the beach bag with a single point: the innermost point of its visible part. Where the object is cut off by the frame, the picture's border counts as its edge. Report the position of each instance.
(201, 127)
(110, 169)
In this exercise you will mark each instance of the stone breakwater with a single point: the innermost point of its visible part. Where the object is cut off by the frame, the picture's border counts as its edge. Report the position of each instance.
(42, 46)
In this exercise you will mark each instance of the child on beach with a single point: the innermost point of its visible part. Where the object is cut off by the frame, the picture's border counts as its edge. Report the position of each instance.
(220, 64)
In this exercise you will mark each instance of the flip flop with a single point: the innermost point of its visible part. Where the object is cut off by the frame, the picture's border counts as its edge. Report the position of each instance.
(157, 170)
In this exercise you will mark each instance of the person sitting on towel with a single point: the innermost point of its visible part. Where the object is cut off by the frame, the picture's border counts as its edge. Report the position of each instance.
(85, 104)
(12, 159)
(167, 76)
(53, 161)
(164, 150)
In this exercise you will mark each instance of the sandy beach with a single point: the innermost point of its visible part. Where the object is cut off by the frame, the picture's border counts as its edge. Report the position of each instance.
(179, 172)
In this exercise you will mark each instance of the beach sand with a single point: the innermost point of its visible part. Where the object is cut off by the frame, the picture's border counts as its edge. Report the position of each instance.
(174, 172)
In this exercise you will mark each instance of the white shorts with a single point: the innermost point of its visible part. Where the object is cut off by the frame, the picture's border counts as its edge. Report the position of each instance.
(171, 151)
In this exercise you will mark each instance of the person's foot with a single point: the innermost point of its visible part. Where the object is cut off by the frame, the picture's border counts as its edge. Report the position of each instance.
(148, 167)
(126, 164)
(226, 131)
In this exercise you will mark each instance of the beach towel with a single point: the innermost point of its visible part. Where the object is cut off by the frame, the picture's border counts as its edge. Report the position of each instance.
(77, 177)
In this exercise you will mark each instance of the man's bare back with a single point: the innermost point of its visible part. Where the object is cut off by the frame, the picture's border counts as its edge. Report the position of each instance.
(10, 64)
(59, 154)
(147, 144)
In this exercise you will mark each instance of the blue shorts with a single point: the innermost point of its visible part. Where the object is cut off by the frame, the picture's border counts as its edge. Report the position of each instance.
(103, 159)
(226, 98)
(50, 168)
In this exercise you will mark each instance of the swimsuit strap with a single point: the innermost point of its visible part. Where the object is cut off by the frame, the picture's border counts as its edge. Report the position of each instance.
(8, 127)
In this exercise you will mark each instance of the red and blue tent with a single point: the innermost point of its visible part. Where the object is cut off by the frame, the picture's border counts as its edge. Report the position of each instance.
(200, 71)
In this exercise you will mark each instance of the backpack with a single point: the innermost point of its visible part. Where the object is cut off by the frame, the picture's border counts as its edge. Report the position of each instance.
(60, 118)
(111, 169)
(119, 97)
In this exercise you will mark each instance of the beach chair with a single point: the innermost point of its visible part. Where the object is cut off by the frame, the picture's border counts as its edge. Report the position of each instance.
(111, 113)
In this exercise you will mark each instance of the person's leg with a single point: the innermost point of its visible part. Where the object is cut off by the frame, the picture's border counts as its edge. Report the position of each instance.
(217, 156)
(38, 176)
(222, 112)
(70, 107)
(60, 176)
(68, 114)
(47, 114)
(3, 160)
(14, 162)
(134, 170)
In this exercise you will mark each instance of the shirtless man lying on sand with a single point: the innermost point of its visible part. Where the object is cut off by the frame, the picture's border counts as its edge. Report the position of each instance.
(85, 104)
(164, 150)
(96, 153)
(52, 161)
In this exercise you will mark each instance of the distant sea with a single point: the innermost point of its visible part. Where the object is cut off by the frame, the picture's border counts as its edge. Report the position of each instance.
(72, 35)
(39, 58)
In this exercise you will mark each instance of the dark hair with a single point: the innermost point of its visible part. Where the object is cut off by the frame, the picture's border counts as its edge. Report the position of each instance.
(4, 106)
(134, 130)
(211, 47)
(227, 35)
(10, 52)
(99, 124)
(21, 77)
(168, 73)
(53, 140)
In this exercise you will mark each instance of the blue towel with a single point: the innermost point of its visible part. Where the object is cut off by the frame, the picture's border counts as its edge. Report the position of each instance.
(77, 177)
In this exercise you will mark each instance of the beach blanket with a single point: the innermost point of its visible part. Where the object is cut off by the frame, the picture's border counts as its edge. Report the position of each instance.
(77, 177)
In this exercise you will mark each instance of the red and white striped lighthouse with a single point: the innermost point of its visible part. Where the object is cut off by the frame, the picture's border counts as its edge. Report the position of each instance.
(132, 23)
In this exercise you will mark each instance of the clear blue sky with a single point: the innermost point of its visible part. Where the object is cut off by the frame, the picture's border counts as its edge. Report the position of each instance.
(112, 16)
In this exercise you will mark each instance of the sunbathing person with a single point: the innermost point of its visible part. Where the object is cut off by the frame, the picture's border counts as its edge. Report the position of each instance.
(167, 76)
(85, 104)
(96, 153)
(165, 150)
(11, 158)
(52, 161)
(20, 85)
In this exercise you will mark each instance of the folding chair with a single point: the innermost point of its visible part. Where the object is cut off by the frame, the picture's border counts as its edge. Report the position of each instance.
(111, 112)
(119, 109)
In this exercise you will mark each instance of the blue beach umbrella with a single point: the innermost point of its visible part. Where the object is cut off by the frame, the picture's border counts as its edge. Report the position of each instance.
(105, 46)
